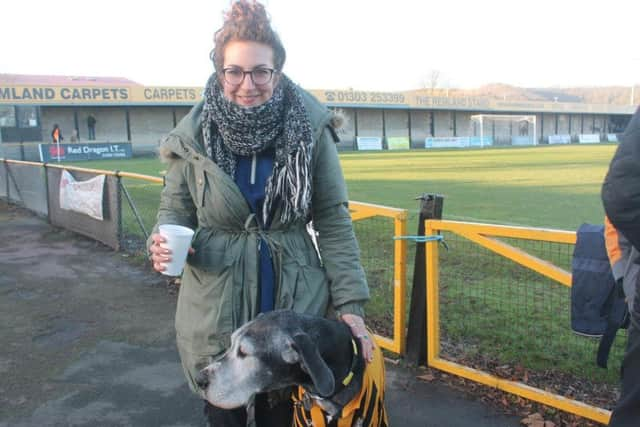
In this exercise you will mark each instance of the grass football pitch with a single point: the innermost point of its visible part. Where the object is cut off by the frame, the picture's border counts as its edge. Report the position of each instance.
(544, 186)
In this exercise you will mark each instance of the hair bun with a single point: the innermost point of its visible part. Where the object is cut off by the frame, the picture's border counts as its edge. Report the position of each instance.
(246, 10)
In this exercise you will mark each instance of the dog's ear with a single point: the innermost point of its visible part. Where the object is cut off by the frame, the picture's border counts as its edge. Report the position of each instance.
(305, 351)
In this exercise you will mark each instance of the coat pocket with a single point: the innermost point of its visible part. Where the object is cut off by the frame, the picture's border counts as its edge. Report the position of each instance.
(304, 288)
(204, 312)
(211, 260)
(312, 291)
(212, 254)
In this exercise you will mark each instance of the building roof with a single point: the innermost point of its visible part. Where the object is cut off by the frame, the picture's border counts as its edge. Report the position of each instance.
(86, 90)
(43, 80)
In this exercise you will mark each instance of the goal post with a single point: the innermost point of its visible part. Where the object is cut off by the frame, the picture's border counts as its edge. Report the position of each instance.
(504, 129)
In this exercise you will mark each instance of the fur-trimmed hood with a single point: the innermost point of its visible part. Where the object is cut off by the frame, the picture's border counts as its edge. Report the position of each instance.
(338, 119)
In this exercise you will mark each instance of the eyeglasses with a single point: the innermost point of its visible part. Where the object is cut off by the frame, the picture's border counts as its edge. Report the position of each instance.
(259, 76)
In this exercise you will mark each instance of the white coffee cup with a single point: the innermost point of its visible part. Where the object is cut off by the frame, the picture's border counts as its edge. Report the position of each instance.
(178, 240)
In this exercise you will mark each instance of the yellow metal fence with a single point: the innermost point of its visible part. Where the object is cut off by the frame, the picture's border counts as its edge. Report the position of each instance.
(360, 213)
(474, 293)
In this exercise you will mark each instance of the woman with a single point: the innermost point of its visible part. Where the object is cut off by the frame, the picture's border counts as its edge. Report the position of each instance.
(249, 167)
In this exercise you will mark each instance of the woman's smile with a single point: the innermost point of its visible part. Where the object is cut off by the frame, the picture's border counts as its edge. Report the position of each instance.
(244, 57)
(247, 100)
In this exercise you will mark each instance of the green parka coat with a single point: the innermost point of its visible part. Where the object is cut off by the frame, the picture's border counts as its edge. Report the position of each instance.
(219, 289)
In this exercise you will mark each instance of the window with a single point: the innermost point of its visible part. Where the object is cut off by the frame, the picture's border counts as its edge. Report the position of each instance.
(27, 116)
(7, 116)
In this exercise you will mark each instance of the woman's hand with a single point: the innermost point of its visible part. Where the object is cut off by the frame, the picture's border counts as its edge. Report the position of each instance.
(359, 330)
(159, 255)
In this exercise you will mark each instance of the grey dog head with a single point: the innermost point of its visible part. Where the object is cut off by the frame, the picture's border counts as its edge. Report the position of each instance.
(275, 350)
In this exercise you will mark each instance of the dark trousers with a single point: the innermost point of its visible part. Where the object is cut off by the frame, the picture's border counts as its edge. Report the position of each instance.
(280, 415)
(627, 410)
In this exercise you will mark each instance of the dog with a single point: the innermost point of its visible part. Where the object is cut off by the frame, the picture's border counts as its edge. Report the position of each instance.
(282, 348)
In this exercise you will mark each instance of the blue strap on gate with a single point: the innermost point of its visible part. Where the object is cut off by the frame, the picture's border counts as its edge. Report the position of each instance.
(421, 239)
(424, 239)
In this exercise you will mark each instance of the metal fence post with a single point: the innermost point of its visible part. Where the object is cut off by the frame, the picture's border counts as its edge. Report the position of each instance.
(120, 231)
(6, 179)
(430, 208)
(46, 190)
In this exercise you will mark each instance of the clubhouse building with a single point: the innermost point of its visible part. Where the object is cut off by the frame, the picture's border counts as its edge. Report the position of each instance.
(107, 109)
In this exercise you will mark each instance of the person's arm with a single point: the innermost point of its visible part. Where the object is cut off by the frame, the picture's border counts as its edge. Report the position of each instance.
(621, 188)
(176, 204)
(337, 242)
(336, 239)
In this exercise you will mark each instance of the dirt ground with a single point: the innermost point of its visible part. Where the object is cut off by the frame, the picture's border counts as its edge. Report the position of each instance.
(87, 339)
(73, 314)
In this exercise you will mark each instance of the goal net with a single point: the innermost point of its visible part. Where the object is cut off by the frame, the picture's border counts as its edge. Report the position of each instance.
(504, 129)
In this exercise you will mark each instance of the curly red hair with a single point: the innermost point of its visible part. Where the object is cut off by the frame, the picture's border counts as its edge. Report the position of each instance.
(247, 20)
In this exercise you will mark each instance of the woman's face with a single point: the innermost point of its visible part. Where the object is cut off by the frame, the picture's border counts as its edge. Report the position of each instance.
(246, 56)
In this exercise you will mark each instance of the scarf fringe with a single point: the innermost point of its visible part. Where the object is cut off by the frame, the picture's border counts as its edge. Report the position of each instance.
(294, 176)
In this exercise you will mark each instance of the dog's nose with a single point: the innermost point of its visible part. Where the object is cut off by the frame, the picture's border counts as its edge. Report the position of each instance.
(202, 379)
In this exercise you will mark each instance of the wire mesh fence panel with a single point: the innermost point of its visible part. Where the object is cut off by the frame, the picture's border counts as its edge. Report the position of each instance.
(558, 254)
(375, 238)
(500, 317)
(28, 186)
(139, 212)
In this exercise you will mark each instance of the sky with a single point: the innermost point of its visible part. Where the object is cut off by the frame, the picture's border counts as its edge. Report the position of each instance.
(336, 44)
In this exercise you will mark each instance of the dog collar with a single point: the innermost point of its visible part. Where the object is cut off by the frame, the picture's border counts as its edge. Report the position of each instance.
(354, 361)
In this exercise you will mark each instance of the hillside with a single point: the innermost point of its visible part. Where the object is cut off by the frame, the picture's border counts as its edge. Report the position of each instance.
(616, 95)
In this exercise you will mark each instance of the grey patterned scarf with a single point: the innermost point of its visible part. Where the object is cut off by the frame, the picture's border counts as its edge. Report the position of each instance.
(282, 122)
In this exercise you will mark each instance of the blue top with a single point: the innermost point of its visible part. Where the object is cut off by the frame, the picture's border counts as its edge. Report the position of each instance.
(252, 173)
